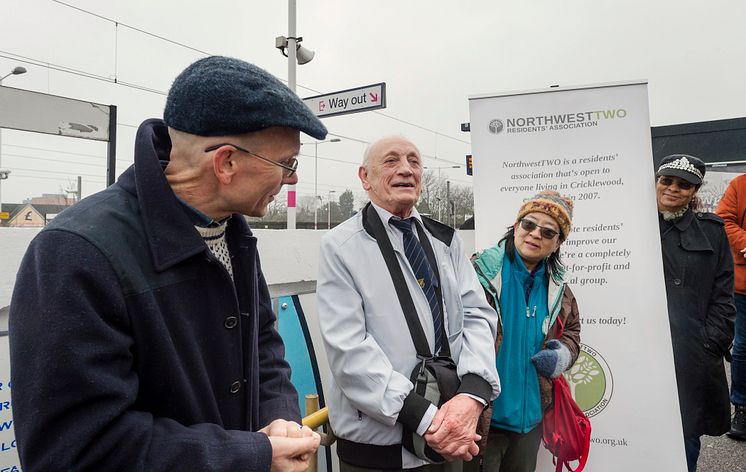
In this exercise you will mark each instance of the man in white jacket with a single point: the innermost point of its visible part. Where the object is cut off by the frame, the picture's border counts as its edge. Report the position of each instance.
(371, 352)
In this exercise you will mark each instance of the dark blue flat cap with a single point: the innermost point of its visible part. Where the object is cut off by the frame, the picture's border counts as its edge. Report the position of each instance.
(223, 96)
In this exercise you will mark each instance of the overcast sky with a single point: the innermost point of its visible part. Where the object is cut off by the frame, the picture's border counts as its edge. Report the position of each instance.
(432, 55)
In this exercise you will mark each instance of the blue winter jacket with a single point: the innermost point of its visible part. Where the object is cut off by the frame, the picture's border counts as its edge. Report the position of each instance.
(523, 308)
(560, 302)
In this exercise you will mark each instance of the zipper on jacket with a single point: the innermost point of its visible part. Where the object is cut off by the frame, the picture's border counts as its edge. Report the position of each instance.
(526, 372)
(552, 318)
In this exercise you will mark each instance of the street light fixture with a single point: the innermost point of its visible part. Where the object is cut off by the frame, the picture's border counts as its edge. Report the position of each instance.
(316, 178)
(329, 210)
(18, 70)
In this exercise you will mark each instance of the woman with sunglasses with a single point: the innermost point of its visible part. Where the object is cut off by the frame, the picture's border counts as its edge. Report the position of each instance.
(698, 268)
(538, 333)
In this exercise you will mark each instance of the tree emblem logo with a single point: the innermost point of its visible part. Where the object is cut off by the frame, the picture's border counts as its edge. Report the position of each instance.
(496, 126)
(590, 380)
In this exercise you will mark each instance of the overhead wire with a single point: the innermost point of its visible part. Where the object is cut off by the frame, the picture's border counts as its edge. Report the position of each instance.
(23, 169)
(38, 177)
(134, 28)
(39, 63)
(51, 160)
(70, 70)
(56, 151)
(207, 53)
(93, 76)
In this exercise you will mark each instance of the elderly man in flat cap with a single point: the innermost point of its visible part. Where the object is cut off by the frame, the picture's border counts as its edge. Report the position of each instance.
(142, 335)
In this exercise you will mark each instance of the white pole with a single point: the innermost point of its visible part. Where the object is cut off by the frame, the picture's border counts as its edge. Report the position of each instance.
(440, 200)
(15, 71)
(1, 160)
(316, 179)
(316, 185)
(329, 210)
(291, 84)
(448, 196)
(1, 165)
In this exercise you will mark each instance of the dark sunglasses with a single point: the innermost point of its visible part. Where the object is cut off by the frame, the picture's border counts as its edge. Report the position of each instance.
(668, 181)
(529, 226)
(288, 169)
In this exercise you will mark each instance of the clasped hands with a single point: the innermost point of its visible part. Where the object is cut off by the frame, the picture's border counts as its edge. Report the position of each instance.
(452, 434)
(292, 445)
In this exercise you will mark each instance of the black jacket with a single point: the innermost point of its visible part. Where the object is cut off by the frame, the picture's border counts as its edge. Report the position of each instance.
(131, 349)
(698, 268)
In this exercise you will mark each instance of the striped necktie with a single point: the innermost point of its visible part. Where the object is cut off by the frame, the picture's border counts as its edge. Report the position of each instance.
(424, 273)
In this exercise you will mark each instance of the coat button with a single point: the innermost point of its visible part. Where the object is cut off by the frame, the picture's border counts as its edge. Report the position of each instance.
(235, 386)
(677, 281)
(230, 322)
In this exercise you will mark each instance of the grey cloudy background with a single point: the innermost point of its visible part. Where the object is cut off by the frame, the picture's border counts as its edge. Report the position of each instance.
(432, 55)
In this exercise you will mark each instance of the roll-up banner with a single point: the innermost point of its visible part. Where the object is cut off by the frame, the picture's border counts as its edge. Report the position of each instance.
(8, 452)
(593, 144)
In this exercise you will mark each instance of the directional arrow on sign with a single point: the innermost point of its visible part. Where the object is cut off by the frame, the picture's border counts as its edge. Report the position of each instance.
(369, 97)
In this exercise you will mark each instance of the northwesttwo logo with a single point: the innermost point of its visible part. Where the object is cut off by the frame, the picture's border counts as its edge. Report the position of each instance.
(496, 126)
(556, 122)
(590, 380)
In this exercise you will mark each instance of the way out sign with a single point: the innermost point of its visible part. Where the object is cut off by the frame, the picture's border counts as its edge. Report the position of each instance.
(369, 97)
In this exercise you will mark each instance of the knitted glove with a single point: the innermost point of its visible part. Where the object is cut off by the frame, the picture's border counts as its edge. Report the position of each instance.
(553, 360)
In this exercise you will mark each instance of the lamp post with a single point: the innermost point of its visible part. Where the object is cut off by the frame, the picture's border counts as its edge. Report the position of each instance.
(329, 210)
(295, 54)
(450, 203)
(4, 174)
(316, 178)
(448, 184)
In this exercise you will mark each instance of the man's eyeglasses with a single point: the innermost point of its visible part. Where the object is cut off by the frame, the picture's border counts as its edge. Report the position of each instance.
(668, 181)
(288, 169)
(529, 226)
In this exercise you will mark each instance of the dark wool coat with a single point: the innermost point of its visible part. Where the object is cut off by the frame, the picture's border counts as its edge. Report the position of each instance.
(131, 348)
(698, 268)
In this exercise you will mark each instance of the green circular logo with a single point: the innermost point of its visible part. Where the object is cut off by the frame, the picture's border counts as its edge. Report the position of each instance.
(590, 380)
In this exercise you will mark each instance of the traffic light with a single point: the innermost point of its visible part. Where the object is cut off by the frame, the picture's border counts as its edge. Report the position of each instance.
(469, 168)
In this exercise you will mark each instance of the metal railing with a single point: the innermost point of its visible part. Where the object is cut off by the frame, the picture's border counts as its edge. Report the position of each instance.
(316, 418)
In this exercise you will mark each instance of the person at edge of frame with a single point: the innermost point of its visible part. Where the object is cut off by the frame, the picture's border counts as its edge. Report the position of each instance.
(142, 335)
(732, 209)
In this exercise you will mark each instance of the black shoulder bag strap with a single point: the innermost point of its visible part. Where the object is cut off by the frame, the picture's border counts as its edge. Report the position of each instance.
(397, 277)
